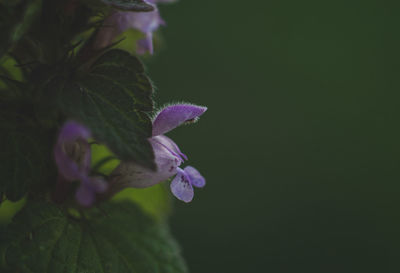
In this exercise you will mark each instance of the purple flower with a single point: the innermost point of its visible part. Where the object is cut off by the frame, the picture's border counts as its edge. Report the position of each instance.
(120, 21)
(72, 155)
(168, 157)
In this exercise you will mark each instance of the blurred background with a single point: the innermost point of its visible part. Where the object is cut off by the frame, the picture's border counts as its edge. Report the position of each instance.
(300, 145)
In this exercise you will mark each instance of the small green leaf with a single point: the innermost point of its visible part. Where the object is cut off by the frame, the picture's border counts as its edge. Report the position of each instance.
(114, 238)
(112, 100)
(15, 21)
(129, 5)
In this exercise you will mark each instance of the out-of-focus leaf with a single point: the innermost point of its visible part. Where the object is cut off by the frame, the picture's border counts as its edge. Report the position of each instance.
(8, 209)
(16, 18)
(116, 237)
(25, 157)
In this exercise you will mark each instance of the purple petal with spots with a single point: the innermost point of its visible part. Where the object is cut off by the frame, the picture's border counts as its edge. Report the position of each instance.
(73, 136)
(167, 159)
(170, 145)
(172, 116)
(195, 177)
(181, 187)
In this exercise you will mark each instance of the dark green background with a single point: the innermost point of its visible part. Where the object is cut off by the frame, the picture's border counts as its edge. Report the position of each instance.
(300, 146)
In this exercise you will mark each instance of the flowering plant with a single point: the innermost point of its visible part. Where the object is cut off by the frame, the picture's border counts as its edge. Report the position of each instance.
(78, 135)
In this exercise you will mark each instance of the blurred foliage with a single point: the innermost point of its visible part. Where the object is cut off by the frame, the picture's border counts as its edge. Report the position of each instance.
(52, 71)
(8, 209)
(110, 238)
(15, 20)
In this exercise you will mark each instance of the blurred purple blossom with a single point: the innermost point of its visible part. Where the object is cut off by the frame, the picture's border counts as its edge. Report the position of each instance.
(119, 21)
(73, 156)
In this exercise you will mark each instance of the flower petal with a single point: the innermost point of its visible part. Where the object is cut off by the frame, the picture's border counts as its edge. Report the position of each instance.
(170, 145)
(145, 45)
(72, 131)
(181, 187)
(172, 116)
(72, 148)
(195, 177)
(98, 184)
(120, 21)
(144, 21)
(131, 174)
(85, 195)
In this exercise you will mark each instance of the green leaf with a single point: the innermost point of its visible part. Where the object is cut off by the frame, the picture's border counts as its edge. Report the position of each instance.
(25, 158)
(121, 67)
(15, 21)
(112, 100)
(114, 238)
(129, 5)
